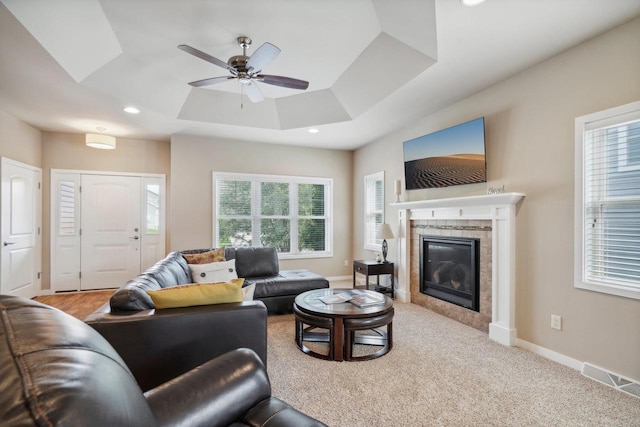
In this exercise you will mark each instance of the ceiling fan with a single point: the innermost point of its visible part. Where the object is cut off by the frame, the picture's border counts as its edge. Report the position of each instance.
(246, 69)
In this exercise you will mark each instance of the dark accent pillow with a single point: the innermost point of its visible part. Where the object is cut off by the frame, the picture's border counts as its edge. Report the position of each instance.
(215, 255)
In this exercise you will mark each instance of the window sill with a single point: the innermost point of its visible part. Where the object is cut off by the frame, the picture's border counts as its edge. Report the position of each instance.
(621, 291)
(305, 256)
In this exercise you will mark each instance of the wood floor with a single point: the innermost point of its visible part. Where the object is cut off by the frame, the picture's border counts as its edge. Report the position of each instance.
(77, 304)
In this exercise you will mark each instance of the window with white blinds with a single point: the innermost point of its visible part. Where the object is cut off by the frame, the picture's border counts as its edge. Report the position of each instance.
(373, 209)
(608, 201)
(290, 213)
(66, 208)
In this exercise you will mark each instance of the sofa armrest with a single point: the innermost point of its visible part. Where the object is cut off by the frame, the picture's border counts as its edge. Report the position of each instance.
(159, 345)
(216, 393)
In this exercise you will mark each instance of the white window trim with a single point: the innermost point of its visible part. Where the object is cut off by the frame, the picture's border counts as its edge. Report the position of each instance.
(378, 176)
(612, 115)
(328, 182)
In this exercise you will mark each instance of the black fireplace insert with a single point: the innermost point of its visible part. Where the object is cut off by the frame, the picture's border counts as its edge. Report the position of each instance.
(449, 269)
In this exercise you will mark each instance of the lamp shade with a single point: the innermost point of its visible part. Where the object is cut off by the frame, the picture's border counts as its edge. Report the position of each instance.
(98, 140)
(384, 232)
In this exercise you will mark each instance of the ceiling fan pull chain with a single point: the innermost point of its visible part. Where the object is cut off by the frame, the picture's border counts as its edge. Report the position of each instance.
(241, 96)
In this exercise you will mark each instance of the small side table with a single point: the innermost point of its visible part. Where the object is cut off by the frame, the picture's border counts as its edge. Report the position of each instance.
(374, 268)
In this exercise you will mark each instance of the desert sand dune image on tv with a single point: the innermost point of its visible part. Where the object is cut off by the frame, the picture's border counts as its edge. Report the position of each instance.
(452, 156)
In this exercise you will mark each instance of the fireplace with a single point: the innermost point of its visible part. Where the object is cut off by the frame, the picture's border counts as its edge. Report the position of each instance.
(492, 219)
(449, 269)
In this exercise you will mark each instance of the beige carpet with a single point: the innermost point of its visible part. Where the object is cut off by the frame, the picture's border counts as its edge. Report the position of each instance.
(440, 373)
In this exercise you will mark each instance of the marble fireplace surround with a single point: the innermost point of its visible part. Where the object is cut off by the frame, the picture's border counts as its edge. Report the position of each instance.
(500, 209)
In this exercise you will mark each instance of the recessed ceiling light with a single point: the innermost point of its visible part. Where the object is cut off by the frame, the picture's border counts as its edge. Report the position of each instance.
(313, 130)
(131, 110)
(471, 2)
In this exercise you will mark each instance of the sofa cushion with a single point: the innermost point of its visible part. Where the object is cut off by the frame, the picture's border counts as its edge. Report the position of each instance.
(256, 262)
(213, 272)
(213, 255)
(287, 282)
(173, 270)
(198, 294)
(132, 296)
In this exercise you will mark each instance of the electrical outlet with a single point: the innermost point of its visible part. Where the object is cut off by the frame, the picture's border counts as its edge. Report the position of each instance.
(556, 322)
(346, 263)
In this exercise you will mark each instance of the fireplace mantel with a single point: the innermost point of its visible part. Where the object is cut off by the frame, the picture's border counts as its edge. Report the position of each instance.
(460, 202)
(500, 209)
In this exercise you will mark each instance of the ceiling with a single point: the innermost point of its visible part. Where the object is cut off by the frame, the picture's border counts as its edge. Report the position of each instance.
(373, 65)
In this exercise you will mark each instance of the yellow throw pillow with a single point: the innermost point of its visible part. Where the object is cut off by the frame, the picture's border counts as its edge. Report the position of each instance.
(215, 255)
(198, 294)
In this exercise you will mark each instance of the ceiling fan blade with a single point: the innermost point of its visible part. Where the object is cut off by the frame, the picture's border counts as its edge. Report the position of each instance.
(253, 92)
(210, 81)
(262, 57)
(284, 81)
(212, 59)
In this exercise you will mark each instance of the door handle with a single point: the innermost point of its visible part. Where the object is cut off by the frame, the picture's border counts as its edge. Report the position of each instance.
(9, 243)
(135, 237)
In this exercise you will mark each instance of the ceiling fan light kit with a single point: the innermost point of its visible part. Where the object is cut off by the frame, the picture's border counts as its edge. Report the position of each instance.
(246, 69)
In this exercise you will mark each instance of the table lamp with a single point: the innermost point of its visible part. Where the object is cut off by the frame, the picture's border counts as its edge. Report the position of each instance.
(384, 233)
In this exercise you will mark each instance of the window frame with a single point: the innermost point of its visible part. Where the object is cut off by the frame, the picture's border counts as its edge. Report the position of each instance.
(292, 181)
(599, 120)
(375, 244)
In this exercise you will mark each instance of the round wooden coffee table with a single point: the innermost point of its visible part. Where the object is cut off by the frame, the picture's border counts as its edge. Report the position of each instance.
(343, 321)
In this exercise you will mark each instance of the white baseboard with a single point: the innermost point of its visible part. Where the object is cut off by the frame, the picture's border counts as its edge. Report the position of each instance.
(501, 333)
(550, 354)
(339, 278)
(45, 292)
(403, 296)
(627, 385)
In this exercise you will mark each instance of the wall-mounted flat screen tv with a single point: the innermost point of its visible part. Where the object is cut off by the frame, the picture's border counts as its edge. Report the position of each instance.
(451, 156)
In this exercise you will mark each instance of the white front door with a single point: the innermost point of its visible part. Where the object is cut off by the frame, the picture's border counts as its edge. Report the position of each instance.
(110, 230)
(21, 221)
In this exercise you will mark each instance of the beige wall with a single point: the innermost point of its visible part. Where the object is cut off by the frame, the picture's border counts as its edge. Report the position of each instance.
(68, 151)
(19, 141)
(530, 149)
(193, 159)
